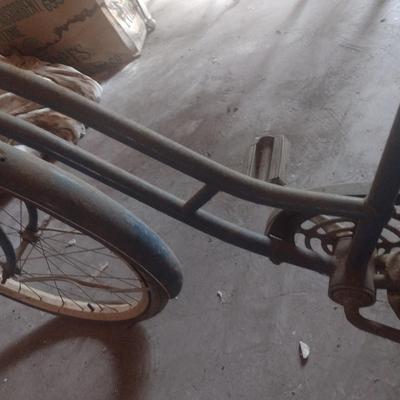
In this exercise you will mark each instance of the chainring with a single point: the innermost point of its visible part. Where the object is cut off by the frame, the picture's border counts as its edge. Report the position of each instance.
(321, 233)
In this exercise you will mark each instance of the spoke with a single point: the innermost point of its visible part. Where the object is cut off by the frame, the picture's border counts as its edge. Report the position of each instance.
(62, 290)
(12, 217)
(77, 267)
(28, 287)
(61, 231)
(11, 233)
(83, 250)
(20, 217)
(80, 276)
(74, 301)
(86, 294)
(95, 250)
(68, 278)
(33, 291)
(72, 261)
(10, 227)
(70, 294)
(51, 273)
(20, 225)
(26, 258)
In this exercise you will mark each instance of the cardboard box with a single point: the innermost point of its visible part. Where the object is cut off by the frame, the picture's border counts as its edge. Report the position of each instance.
(95, 36)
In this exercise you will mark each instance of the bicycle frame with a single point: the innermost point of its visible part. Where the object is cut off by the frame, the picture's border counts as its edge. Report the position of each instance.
(371, 213)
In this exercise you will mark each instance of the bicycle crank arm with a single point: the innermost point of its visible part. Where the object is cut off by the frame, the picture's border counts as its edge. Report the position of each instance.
(376, 328)
(351, 288)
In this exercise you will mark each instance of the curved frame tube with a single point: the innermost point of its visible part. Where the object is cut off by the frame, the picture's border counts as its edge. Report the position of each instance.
(34, 88)
(216, 177)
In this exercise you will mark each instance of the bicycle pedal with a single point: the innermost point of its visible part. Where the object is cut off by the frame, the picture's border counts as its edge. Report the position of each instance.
(268, 157)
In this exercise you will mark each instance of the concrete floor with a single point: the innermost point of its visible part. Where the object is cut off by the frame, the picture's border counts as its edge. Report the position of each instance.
(326, 74)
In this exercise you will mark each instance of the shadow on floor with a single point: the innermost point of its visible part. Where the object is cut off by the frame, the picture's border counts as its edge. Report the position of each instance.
(126, 344)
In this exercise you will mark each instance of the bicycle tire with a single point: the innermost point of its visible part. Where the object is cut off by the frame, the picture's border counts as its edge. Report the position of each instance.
(86, 209)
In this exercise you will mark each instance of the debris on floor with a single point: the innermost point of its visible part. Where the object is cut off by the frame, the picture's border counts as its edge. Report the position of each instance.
(304, 350)
(71, 243)
(220, 296)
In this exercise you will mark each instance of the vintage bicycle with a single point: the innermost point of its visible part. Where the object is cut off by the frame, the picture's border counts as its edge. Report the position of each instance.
(69, 249)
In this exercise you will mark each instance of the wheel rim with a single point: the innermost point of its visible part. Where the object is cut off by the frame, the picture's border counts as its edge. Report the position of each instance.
(65, 270)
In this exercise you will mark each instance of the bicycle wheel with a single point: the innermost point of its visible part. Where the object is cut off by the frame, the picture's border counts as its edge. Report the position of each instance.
(80, 253)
